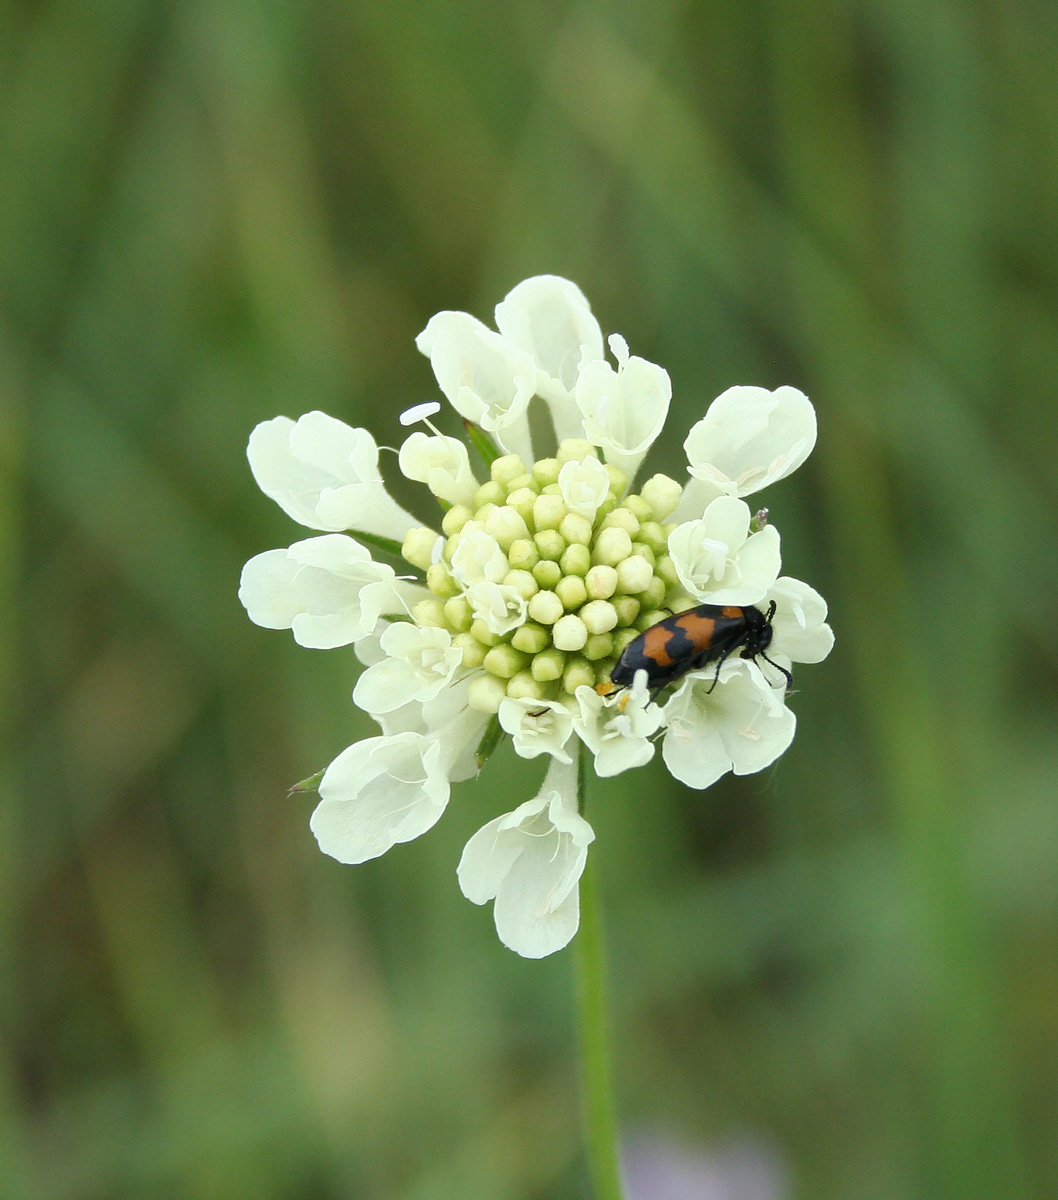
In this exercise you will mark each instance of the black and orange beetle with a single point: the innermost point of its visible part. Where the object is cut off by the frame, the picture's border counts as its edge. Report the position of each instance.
(689, 640)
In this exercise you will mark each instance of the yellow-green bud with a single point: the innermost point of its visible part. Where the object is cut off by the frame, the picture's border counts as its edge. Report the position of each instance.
(550, 543)
(552, 489)
(456, 517)
(655, 593)
(622, 518)
(547, 573)
(633, 574)
(651, 534)
(639, 508)
(618, 479)
(575, 528)
(440, 582)
(611, 547)
(578, 673)
(489, 493)
(451, 543)
(506, 468)
(520, 481)
(644, 551)
(521, 500)
(545, 471)
(430, 613)
(574, 450)
(571, 591)
(506, 525)
(680, 602)
(548, 511)
(523, 554)
(599, 616)
(483, 633)
(524, 687)
(505, 661)
(522, 582)
(548, 665)
(482, 515)
(601, 582)
(530, 638)
(662, 494)
(485, 693)
(623, 638)
(418, 547)
(546, 608)
(575, 560)
(649, 618)
(598, 645)
(627, 609)
(458, 614)
(665, 569)
(473, 651)
(570, 633)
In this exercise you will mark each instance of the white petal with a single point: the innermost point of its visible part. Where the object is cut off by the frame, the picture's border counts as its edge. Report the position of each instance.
(584, 486)
(266, 589)
(799, 628)
(490, 853)
(537, 727)
(501, 606)
(526, 919)
(696, 757)
(442, 464)
(624, 410)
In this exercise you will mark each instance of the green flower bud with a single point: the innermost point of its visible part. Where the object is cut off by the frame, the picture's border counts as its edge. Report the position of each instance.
(450, 546)
(473, 651)
(552, 489)
(530, 638)
(618, 479)
(485, 693)
(611, 547)
(574, 450)
(598, 645)
(550, 543)
(665, 569)
(548, 665)
(651, 617)
(524, 687)
(430, 613)
(506, 468)
(523, 554)
(484, 634)
(570, 632)
(456, 517)
(662, 494)
(622, 638)
(547, 573)
(505, 661)
(680, 602)
(521, 500)
(506, 525)
(489, 493)
(651, 534)
(575, 528)
(601, 582)
(440, 581)
(418, 547)
(634, 574)
(622, 518)
(548, 511)
(575, 560)
(627, 609)
(482, 514)
(644, 551)
(571, 591)
(578, 673)
(520, 481)
(639, 508)
(457, 613)
(599, 616)
(546, 608)
(523, 583)
(655, 593)
(545, 471)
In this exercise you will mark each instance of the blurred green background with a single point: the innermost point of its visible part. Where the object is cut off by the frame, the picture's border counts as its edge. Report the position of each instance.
(214, 212)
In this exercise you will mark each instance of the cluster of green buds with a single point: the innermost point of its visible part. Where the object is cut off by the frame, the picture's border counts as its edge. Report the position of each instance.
(541, 597)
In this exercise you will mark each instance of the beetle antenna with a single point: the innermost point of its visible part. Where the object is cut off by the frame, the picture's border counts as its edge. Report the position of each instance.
(783, 670)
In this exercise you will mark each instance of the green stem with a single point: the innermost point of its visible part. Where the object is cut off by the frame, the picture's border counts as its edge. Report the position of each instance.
(600, 1121)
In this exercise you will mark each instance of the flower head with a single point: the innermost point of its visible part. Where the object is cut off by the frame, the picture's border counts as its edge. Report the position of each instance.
(529, 585)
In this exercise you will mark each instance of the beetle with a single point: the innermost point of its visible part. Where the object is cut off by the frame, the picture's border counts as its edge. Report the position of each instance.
(689, 640)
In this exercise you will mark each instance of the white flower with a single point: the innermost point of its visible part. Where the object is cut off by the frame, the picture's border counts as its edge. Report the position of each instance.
(548, 317)
(617, 728)
(749, 438)
(537, 727)
(442, 464)
(499, 605)
(478, 557)
(623, 410)
(378, 792)
(530, 862)
(419, 662)
(325, 475)
(326, 590)
(584, 486)
(719, 561)
(799, 628)
(486, 378)
(741, 724)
